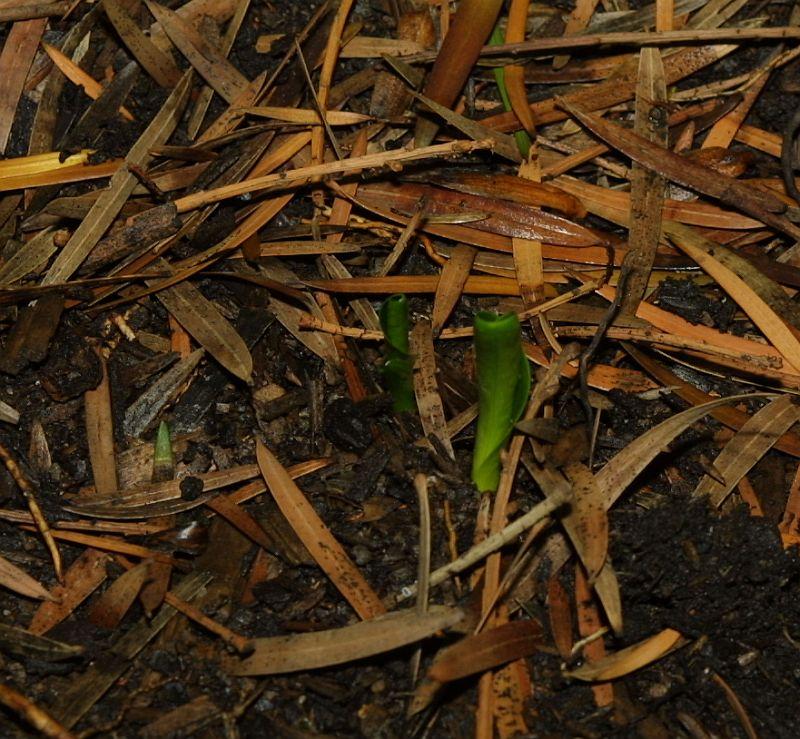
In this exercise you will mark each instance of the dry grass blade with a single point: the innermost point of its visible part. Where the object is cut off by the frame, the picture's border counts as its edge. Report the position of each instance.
(39, 720)
(763, 315)
(282, 654)
(16, 58)
(158, 64)
(451, 285)
(623, 468)
(81, 579)
(629, 659)
(21, 582)
(591, 518)
(212, 65)
(78, 77)
(211, 330)
(108, 205)
(475, 654)
(647, 187)
(748, 446)
(763, 206)
(426, 387)
(325, 549)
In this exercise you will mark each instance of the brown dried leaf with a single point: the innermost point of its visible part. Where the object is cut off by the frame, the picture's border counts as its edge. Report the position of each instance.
(757, 203)
(451, 285)
(748, 446)
(426, 386)
(200, 317)
(158, 64)
(21, 582)
(475, 654)
(591, 519)
(629, 659)
(209, 62)
(742, 288)
(647, 187)
(317, 537)
(100, 434)
(81, 579)
(110, 608)
(281, 654)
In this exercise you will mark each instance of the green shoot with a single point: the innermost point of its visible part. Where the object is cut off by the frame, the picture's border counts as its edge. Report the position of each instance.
(523, 140)
(398, 364)
(504, 383)
(163, 458)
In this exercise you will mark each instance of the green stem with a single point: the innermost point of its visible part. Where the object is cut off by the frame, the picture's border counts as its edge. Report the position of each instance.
(398, 364)
(163, 457)
(523, 140)
(504, 383)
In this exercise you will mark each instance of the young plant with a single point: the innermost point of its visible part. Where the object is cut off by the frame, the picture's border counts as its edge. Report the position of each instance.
(398, 364)
(504, 383)
(163, 457)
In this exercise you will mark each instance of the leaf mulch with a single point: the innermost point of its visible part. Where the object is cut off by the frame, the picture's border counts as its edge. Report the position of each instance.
(213, 523)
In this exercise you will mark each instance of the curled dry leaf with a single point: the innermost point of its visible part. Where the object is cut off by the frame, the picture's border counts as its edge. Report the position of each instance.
(629, 659)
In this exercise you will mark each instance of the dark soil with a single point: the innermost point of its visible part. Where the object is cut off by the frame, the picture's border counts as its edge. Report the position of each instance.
(722, 579)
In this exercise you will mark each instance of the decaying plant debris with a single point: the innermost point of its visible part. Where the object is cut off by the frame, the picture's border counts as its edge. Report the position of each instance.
(222, 515)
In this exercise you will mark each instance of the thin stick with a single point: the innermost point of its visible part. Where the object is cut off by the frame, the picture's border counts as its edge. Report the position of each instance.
(488, 546)
(37, 10)
(632, 38)
(33, 506)
(315, 324)
(369, 161)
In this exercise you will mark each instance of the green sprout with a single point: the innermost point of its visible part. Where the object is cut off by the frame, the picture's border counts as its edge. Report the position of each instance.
(523, 140)
(398, 364)
(163, 457)
(504, 383)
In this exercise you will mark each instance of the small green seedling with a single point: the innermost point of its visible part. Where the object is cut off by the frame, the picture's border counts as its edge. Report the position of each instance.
(523, 140)
(398, 363)
(504, 383)
(163, 458)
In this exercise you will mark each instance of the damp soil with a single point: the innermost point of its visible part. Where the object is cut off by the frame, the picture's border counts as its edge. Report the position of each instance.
(722, 579)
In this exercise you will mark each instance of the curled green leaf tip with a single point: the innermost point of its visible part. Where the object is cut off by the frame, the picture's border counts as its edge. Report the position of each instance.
(504, 383)
(398, 363)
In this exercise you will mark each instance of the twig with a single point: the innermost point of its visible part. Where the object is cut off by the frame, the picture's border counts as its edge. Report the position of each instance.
(33, 506)
(282, 180)
(488, 546)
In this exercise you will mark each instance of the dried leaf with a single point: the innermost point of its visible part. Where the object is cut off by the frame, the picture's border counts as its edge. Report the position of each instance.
(158, 64)
(475, 654)
(21, 582)
(704, 252)
(629, 659)
(748, 446)
(19, 49)
(110, 608)
(81, 579)
(28, 258)
(281, 654)
(647, 187)
(451, 284)
(622, 469)
(591, 519)
(757, 203)
(108, 205)
(200, 317)
(210, 63)
(319, 540)
(100, 434)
